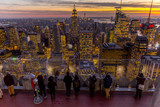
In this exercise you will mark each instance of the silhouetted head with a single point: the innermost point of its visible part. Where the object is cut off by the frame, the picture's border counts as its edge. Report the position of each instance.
(8, 73)
(51, 78)
(108, 76)
(76, 77)
(67, 73)
(141, 74)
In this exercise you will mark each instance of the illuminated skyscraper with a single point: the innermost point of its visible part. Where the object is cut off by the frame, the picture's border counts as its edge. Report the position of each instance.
(111, 59)
(22, 35)
(55, 40)
(35, 38)
(135, 25)
(3, 37)
(36, 29)
(13, 38)
(32, 48)
(86, 45)
(47, 37)
(74, 29)
(24, 44)
(149, 29)
(121, 25)
(139, 49)
(74, 39)
(110, 36)
(61, 27)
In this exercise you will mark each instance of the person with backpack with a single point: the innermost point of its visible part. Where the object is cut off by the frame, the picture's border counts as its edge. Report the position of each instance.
(140, 85)
(76, 85)
(92, 81)
(9, 81)
(107, 84)
(34, 81)
(68, 80)
(51, 86)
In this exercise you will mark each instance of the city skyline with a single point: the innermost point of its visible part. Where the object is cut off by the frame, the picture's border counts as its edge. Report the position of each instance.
(63, 8)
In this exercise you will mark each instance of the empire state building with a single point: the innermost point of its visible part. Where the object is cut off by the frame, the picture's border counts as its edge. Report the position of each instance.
(74, 30)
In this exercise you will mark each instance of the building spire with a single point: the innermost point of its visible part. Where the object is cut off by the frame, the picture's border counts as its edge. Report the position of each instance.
(74, 5)
(149, 17)
(121, 6)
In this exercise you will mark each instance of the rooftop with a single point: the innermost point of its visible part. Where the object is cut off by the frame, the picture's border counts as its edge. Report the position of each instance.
(111, 46)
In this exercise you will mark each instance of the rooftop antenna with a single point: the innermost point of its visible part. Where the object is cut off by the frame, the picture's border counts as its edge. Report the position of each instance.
(74, 5)
(149, 17)
(84, 15)
(121, 6)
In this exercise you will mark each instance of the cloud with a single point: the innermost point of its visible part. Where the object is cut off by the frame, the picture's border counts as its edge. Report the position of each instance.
(83, 3)
(109, 4)
(88, 4)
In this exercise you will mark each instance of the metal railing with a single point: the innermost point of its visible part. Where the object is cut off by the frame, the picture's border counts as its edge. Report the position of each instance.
(122, 71)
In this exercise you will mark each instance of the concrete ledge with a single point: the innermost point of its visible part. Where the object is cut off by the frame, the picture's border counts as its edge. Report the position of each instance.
(86, 89)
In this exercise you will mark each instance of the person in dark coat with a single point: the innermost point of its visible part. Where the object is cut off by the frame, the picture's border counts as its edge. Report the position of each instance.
(9, 81)
(92, 81)
(76, 85)
(140, 81)
(51, 86)
(68, 80)
(41, 85)
(107, 84)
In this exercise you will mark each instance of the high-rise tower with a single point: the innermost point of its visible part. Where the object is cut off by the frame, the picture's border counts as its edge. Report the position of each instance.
(138, 50)
(74, 30)
(134, 27)
(74, 39)
(3, 37)
(86, 43)
(12, 33)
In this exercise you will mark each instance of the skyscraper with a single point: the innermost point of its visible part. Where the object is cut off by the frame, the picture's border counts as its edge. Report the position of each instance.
(111, 58)
(13, 38)
(135, 26)
(35, 38)
(86, 45)
(149, 29)
(47, 37)
(139, 49)
(121, 25)
(3, 37)
(55, 40)
(74, 39)
(22, 35)
(74, 29)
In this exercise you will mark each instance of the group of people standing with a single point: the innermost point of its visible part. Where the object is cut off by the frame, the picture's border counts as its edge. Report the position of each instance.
(92, 83)
(38, 85)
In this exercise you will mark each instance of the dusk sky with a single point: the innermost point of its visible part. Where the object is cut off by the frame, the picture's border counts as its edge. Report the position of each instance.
(63, 8)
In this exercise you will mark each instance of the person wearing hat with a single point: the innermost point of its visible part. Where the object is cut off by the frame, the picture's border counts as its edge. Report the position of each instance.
(33, 83)
(9, 81)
